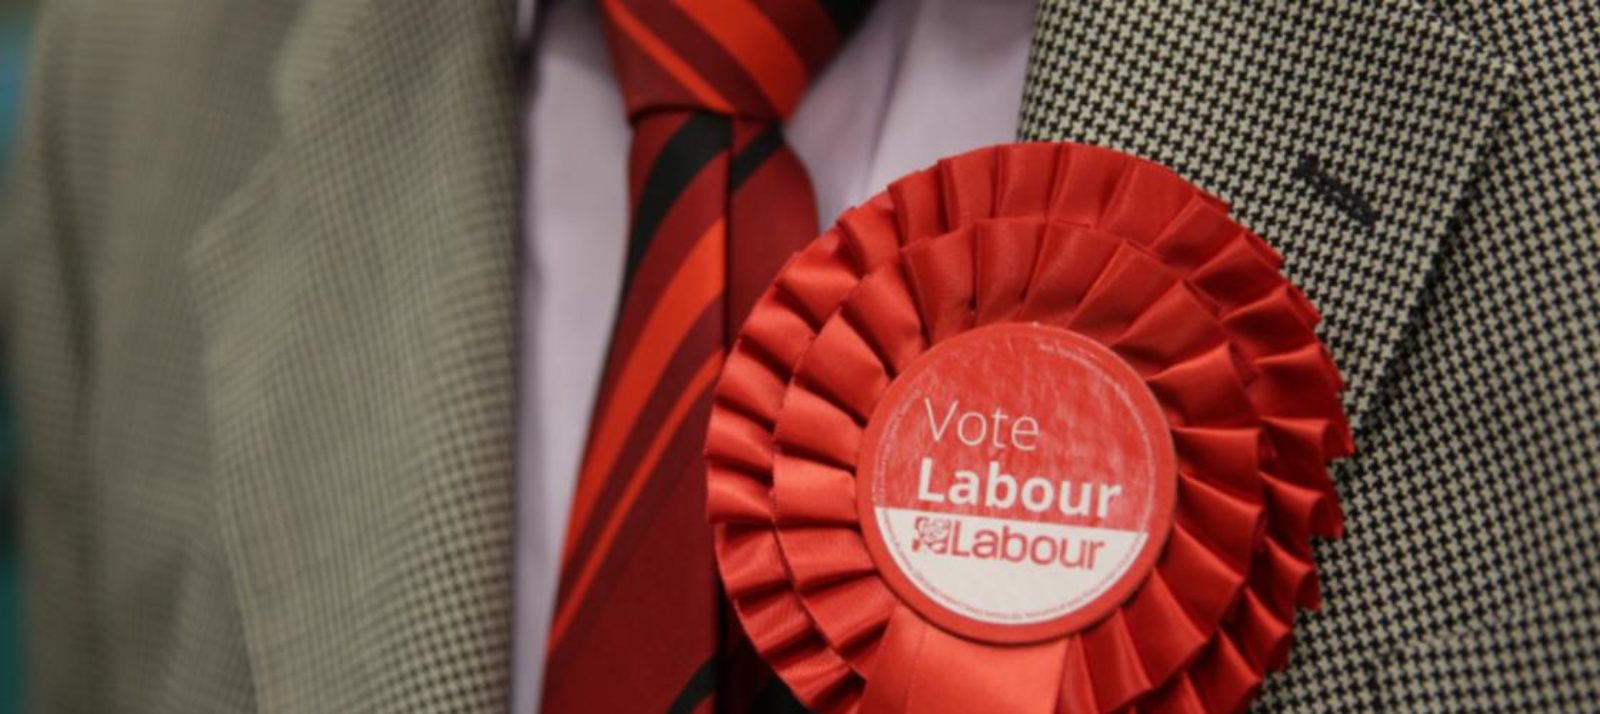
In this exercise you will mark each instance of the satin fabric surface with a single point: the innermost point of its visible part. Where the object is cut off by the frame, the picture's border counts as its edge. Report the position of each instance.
(863, 122)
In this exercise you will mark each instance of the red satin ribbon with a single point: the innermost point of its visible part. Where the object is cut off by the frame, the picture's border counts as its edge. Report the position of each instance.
(1114, 248)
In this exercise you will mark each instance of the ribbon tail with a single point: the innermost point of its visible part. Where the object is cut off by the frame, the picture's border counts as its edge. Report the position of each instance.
(924, 669)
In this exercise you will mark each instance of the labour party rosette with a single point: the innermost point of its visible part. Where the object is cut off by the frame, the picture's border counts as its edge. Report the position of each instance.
(1039, 429)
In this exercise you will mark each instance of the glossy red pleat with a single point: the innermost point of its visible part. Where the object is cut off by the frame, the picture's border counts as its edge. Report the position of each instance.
(1085, 238)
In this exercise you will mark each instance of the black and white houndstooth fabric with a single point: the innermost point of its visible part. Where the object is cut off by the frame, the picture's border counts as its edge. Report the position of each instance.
(257, 290)
(257, 270)
(1432, 175)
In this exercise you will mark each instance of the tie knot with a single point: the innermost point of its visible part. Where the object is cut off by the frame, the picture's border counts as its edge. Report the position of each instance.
(745, 58)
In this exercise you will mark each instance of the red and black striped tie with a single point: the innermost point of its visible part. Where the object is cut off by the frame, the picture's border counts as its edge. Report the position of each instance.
(719, 202)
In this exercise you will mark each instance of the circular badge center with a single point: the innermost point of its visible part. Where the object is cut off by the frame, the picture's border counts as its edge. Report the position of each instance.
(1017, 483)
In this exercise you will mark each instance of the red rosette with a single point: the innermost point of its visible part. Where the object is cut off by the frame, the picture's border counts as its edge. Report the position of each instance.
(1082, 245)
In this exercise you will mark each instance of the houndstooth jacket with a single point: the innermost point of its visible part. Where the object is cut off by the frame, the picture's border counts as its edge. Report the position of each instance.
(257, 294)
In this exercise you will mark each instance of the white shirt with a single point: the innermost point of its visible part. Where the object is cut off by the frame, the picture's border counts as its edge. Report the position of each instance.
(919, 80)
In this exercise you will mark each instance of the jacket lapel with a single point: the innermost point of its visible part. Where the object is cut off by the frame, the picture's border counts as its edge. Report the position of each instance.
(1345, 134)
(357, 302)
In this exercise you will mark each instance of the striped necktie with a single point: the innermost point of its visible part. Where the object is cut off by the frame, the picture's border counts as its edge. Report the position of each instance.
(718, 203)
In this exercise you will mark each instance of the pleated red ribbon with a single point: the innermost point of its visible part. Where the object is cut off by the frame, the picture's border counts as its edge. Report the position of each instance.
(1106, 246)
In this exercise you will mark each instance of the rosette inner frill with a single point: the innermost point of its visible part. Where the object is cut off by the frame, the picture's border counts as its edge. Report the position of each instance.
(1111, 248)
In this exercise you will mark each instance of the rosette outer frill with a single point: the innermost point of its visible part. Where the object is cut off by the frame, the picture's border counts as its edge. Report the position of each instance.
(1107, 246)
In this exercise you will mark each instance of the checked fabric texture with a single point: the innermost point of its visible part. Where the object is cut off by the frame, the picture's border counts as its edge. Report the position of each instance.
(263, 359)
(1431, 175)
(719, 203)
(264, 362)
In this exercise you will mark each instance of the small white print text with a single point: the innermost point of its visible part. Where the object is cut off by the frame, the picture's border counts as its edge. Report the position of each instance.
(995, 488)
